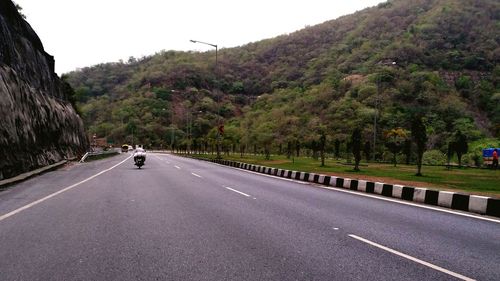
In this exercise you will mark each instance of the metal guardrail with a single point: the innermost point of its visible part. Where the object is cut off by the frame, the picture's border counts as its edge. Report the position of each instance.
(96, 153)
(84, 157)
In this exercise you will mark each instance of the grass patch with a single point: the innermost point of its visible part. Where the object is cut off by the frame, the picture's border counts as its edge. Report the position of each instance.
(469, 180)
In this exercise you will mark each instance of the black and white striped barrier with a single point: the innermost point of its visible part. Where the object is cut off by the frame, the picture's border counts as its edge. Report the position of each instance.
(453, 200)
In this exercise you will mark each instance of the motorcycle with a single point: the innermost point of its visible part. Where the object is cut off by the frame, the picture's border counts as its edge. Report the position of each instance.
(139, 157)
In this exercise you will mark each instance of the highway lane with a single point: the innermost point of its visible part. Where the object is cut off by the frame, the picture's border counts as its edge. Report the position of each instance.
(455, 242)
(181, 219)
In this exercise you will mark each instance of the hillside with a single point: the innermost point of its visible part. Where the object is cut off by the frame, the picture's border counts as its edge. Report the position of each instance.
(39, 125)
(439, 58)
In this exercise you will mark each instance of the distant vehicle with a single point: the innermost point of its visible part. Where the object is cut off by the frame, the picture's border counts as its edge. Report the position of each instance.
(488, 156)
(130, 148)
(139, 157)
(125, 148)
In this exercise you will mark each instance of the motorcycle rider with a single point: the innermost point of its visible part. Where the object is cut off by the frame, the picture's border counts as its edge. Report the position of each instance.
(139, 156)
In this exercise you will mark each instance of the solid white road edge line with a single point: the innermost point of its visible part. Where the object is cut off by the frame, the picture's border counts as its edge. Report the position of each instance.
(338, 189)
(234, 190)
(408, 203)
(435, 267)
(196, 175)
(58, 192)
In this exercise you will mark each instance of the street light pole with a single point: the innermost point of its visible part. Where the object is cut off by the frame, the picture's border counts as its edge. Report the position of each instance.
(218, 96)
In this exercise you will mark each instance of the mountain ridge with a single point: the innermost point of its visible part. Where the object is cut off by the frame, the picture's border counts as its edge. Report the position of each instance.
(441, 50)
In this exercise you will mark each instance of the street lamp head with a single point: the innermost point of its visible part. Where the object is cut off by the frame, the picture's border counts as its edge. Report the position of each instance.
(201, 42)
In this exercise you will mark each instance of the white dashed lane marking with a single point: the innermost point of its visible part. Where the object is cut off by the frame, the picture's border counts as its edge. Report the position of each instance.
(435, 267)
(239, 192)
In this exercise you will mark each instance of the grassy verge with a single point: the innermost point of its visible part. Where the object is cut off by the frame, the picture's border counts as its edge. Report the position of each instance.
(469, 180)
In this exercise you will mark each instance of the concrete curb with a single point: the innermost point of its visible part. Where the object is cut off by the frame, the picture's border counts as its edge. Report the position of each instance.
(452, 200)
(27, 175)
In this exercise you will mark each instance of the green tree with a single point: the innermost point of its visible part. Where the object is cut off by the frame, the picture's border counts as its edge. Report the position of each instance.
(450, 152)
(297, 147)
(394, 141)
(356, 147)
(289, 150)
(367, 148)
(322, 145)
(460, 146)
(407, 151)
(232, 134)
(265, 137)
(337, 148)
(419, 136)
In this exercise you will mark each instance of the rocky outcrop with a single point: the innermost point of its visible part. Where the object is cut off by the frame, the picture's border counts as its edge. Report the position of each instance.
(38, 124)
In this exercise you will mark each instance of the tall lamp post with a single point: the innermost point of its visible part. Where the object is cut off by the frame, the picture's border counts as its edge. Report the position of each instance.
(218, 97)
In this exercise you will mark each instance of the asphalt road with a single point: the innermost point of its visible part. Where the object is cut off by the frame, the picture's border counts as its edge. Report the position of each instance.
(182, 219)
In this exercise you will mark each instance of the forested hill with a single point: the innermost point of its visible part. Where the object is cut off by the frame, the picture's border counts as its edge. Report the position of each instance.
(439, 58)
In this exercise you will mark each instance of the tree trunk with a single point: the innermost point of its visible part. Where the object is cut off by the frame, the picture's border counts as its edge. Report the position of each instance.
(315, 154)
(289, 150)
(322, 157)
(419, 164)
(356, 165)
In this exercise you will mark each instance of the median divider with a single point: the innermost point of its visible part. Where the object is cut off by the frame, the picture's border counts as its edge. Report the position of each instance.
(452, 200)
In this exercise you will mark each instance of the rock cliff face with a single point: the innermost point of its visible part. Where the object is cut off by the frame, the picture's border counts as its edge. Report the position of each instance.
(38, 124)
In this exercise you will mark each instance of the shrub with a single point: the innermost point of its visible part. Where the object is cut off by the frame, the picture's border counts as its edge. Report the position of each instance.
(434, 157)
(472, 159)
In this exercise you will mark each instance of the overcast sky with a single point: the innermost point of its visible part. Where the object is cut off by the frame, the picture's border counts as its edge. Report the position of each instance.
(81, 33)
